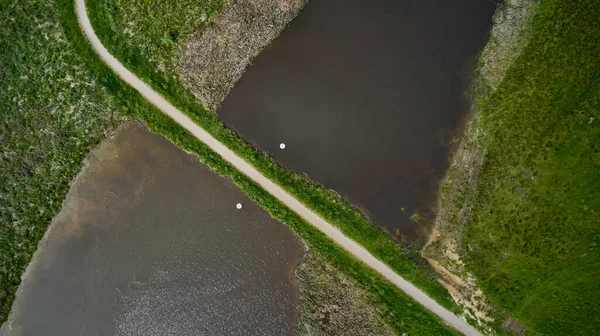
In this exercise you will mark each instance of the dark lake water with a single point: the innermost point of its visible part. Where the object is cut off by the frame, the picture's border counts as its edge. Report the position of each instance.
(367, 96)
(149, 242)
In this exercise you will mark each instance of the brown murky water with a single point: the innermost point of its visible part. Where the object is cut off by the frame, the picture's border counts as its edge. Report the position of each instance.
(367, 95)
(149, 242)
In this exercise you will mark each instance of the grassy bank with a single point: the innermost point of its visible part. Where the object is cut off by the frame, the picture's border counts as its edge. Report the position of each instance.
(415, 320)
(322, 200)
(52, 112)
(530, 229)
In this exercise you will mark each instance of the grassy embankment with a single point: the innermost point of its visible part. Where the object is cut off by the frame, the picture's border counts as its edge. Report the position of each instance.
(114, 30)
(52, 113)
(59, 101)
(531, 231)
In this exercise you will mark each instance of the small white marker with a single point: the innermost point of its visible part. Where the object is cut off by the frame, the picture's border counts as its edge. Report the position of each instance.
(238, 206)
(282, 145)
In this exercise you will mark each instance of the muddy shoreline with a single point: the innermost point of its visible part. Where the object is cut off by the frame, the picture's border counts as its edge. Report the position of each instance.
(149, 241)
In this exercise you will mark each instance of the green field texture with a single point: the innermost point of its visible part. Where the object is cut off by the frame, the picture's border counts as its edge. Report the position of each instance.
(533, 240)
(59, 101)
(109, 22)
(52, 112)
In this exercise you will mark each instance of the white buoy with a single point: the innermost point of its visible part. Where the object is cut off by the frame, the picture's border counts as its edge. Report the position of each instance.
(282, 145)
(238, 206)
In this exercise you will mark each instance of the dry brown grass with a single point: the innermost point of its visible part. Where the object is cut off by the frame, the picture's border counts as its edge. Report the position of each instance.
(333, 304)
(212, 60)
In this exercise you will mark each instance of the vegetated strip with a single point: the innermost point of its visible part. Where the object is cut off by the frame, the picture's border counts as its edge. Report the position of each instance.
(52, 112)
(532, 236)
(325, 202)
(284, 197)
(415, 320)
(534, 232)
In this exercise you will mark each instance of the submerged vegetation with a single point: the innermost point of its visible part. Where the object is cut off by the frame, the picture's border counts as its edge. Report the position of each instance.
(524, 217)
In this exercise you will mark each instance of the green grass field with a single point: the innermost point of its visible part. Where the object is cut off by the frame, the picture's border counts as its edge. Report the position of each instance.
(533, 240)
(533, 237)
(53, 110)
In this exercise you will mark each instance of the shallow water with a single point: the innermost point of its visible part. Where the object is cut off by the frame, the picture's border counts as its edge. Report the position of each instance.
(367, 96)
(149, 242)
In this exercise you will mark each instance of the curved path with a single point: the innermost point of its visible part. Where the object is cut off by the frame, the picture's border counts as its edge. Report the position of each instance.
(328, 229)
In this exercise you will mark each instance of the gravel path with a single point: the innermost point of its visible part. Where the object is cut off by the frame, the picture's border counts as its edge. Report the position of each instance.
(332, 232)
